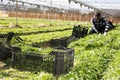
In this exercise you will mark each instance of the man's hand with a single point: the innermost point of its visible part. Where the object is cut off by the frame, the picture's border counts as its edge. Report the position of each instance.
(97, 31)
(105, 33)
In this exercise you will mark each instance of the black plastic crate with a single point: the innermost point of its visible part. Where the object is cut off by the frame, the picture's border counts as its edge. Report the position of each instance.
(79, 31)
(6, 47)
(57, 62)
(64, 59)
(34, 62)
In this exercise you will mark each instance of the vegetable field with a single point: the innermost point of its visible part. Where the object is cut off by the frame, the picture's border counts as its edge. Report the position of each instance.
(96, 56)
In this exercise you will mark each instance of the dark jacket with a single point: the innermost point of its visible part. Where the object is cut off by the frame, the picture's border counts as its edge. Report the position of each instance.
(99, 25)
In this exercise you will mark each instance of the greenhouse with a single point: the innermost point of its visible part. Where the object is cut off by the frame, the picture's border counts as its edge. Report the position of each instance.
(59, 39)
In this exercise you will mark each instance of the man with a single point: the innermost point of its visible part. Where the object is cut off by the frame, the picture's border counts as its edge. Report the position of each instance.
(99, 24)
(110, 24)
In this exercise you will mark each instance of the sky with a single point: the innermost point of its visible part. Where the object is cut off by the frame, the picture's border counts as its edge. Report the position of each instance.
(64, 4)
(113, 4)
(108, 4)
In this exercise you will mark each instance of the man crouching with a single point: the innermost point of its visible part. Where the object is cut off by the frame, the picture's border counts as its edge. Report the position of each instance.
(99, 24)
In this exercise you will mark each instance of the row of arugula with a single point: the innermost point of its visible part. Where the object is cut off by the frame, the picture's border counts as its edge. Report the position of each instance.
(96, 57)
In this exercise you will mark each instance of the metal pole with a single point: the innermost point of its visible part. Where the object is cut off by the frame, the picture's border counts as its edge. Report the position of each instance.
(13, 59)
(65, 15)
(69, 14)
(50, 12)
(1, 0)
(43, 13)
(16, 11)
